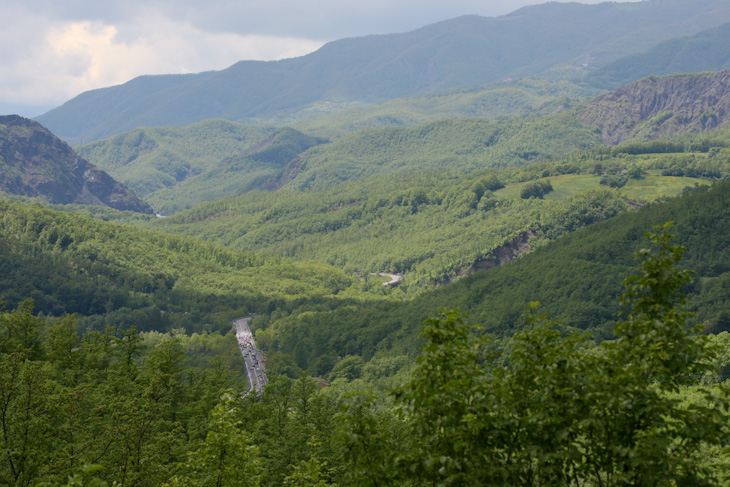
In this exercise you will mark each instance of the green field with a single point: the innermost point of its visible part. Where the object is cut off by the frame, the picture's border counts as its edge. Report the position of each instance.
(649, 188)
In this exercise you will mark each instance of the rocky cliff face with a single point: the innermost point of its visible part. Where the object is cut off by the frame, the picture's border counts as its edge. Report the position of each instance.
(654, 107)
(34, 162)
(506, 252)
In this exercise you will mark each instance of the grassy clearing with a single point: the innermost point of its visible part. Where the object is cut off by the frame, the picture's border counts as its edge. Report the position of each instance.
(651, 187)
(654, 186)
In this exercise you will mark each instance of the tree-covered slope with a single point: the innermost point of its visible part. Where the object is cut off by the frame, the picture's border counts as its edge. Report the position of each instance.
(70, 263)
(467, 51)
(511, 99)
(177, 168)
(150, 159)
(446, 145)
(706, 51)
(288, 158)
(578, 279)
(259, 167)
(433, 225)
(35, 163)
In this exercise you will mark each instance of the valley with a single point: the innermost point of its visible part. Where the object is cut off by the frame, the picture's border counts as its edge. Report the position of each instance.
(489, 251)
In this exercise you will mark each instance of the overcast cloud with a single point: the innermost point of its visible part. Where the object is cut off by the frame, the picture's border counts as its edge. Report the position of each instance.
(53, 50)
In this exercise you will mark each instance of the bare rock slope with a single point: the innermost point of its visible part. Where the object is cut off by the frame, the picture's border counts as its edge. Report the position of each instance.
(654, 107)
(35, 163)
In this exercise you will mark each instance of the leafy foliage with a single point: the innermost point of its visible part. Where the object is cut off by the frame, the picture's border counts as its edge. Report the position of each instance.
(99, 409)
(72, 264)
(535, 189)
(560, 412)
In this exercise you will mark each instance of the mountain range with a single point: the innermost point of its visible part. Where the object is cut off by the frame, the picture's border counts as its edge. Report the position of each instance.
(178, 168)
(554, 39)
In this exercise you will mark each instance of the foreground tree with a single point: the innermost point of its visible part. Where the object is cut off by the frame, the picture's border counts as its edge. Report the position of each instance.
(227, 457)
(560, 410)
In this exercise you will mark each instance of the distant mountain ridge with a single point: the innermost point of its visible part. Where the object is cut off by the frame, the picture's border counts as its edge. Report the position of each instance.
(654, 107)
(35, 163)
(706, 51)
(465, 51)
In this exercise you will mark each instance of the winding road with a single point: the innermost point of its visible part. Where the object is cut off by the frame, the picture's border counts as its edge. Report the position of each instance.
(255, 360)
(394, 278)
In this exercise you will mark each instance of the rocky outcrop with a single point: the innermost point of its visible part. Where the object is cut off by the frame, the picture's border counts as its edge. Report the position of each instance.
(35, 163)
(654, 107)
(500, 255)
(506, 252)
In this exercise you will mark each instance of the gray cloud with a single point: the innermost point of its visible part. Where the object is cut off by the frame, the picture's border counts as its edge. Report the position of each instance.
(313, 19)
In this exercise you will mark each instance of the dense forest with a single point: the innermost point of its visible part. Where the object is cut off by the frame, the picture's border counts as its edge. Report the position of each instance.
(543, 408)
(70, 263)
(434, 225)
(463, 262)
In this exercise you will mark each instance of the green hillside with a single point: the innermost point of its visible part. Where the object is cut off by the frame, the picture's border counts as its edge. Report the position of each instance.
(173, 179)
(577, 279)
(172, 168)
(118, 275)
(259, 167)
(514, 99)
(462, 52)
(176, 168)
(433, 225)
(705, 51)
(646, 408)
(150, 159)
(458, 146)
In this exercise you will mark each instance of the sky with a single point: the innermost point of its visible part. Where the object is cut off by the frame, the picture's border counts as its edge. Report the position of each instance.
(53, 50)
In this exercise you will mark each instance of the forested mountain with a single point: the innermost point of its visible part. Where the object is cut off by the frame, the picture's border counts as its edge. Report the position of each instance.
(150, 159)
(118, 275)
(466, 51)
(446, 145)
(577, 279)
(434, 225)
(652, 107)
(176, 173)
(35, 163)
(289, 158)
(176, 168)
(706, 51)
(527, 97)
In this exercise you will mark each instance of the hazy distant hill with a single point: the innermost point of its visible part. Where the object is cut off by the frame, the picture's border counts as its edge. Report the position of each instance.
(443, 145)
(707, 51)
(35, 163)
(466, 51)
(150, 159)
(528, 97)
(653, 107)
(257, 167)
(177, 167)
